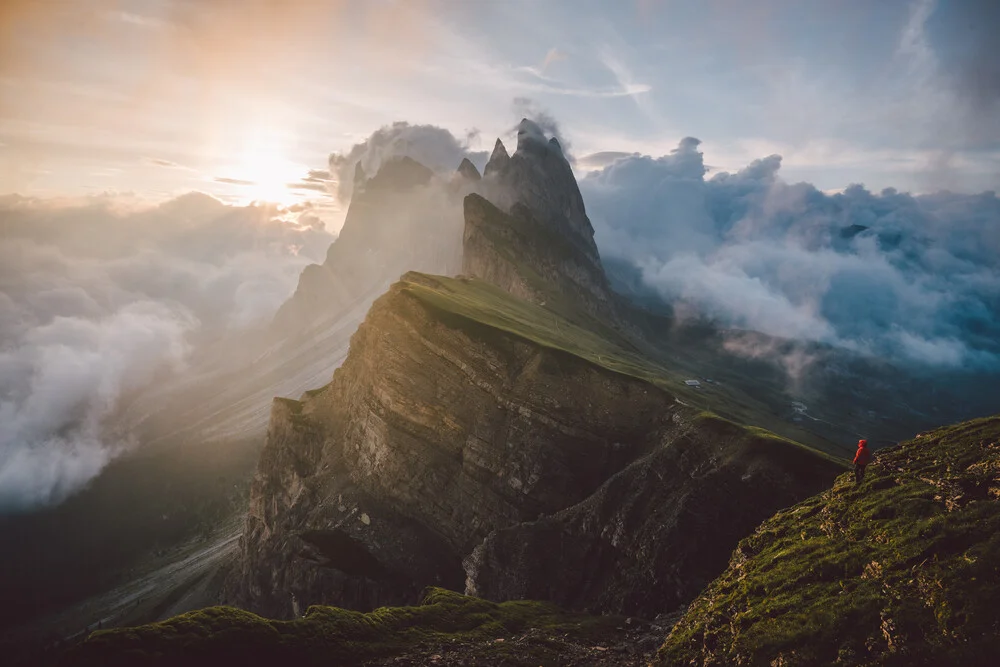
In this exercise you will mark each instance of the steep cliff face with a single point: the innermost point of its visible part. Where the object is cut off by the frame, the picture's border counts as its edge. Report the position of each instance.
(654, 534)
(529, 232)
(438, 429)
(530, 260)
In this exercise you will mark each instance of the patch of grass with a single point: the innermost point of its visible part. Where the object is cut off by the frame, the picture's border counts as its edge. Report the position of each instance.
(328, 635)
(904, 569)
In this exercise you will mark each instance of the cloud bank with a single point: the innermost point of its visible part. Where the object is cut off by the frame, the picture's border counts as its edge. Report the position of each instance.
(915, 279)
(432, 146)
(97, 298)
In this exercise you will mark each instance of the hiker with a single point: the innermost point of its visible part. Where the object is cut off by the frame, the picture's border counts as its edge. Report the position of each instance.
(861, 459)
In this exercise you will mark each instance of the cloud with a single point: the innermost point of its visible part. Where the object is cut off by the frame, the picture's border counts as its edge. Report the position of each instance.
(58, 385)
(100, 295)
(159, 162)
(233, 181)
(602, 159)
(915, 279)
(432, 146)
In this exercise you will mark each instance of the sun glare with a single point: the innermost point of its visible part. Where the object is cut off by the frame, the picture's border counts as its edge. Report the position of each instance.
(264, 173)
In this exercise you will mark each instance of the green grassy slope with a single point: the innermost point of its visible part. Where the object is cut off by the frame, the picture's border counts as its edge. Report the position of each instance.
(903, 570)
(333, 636)
(481, 302)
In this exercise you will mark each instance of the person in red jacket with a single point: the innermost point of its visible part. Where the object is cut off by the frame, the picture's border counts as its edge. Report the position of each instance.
(861, 459)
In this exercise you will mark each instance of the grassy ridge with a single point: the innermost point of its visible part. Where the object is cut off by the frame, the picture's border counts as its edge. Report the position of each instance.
(481, 302)
(902, 570)
(333, 636)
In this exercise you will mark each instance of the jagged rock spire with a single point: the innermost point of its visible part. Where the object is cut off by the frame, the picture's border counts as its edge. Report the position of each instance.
(498, 160)
(529, 135)
(468, 170)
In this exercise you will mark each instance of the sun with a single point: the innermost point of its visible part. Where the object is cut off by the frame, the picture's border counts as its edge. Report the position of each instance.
(264, 173)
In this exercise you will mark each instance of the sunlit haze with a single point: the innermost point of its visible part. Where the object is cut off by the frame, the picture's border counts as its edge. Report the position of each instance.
(242, 99)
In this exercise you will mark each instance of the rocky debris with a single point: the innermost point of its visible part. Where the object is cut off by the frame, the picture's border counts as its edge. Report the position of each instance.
(900, 570)
(656, 533)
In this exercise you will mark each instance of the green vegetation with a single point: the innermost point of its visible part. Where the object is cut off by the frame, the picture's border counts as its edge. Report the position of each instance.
(332, 636)
(468, 300)
(904, 569)
(482, 302)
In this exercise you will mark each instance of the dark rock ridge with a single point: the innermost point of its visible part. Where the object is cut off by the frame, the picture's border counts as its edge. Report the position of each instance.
(657, 532)
(539, 177)
(527, 230)
(436, 431)
(531, 261)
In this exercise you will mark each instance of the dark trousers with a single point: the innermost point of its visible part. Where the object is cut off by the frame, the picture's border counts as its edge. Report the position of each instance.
(859, 473)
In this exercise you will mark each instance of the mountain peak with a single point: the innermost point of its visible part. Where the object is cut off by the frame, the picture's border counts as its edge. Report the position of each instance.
(498, 159)
(468, 170)
(529, 135)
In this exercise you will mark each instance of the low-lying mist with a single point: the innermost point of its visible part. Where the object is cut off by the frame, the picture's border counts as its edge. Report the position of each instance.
(97, 298)
(914, 279)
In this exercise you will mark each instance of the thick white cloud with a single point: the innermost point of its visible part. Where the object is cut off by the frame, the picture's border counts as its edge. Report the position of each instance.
(911, 278)
(432, 146)
(96, 299)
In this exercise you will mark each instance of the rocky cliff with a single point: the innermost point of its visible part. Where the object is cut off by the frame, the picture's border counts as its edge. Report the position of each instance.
(531, 261)
(464, 414)
(655, 533)
(529, 233)
(459, 411)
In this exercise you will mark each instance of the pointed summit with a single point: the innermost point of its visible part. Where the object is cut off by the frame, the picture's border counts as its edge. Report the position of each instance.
(529, 135)
(468, 170)
(498, 160)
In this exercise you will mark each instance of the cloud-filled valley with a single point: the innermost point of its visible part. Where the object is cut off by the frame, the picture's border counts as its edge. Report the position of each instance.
(97, 298)
(915, 279)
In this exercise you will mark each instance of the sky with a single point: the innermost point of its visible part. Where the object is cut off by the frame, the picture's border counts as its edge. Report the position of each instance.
(246, 99)
(823, 171)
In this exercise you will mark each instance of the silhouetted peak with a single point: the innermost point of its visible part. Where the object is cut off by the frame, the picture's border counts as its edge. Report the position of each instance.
(498, 159)
(468, 170)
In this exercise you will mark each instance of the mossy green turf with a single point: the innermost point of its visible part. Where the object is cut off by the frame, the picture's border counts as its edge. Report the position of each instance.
(483, 303)
(332, 636)
(904, 569)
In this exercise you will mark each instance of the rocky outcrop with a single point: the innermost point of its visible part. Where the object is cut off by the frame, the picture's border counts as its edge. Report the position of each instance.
(539, 177)
(657, 532)
(403, 218)
(531, 261)
(527, 230)
(436, 431)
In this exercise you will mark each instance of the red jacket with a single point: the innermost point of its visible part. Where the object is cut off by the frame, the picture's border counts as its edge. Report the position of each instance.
(863, 457)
